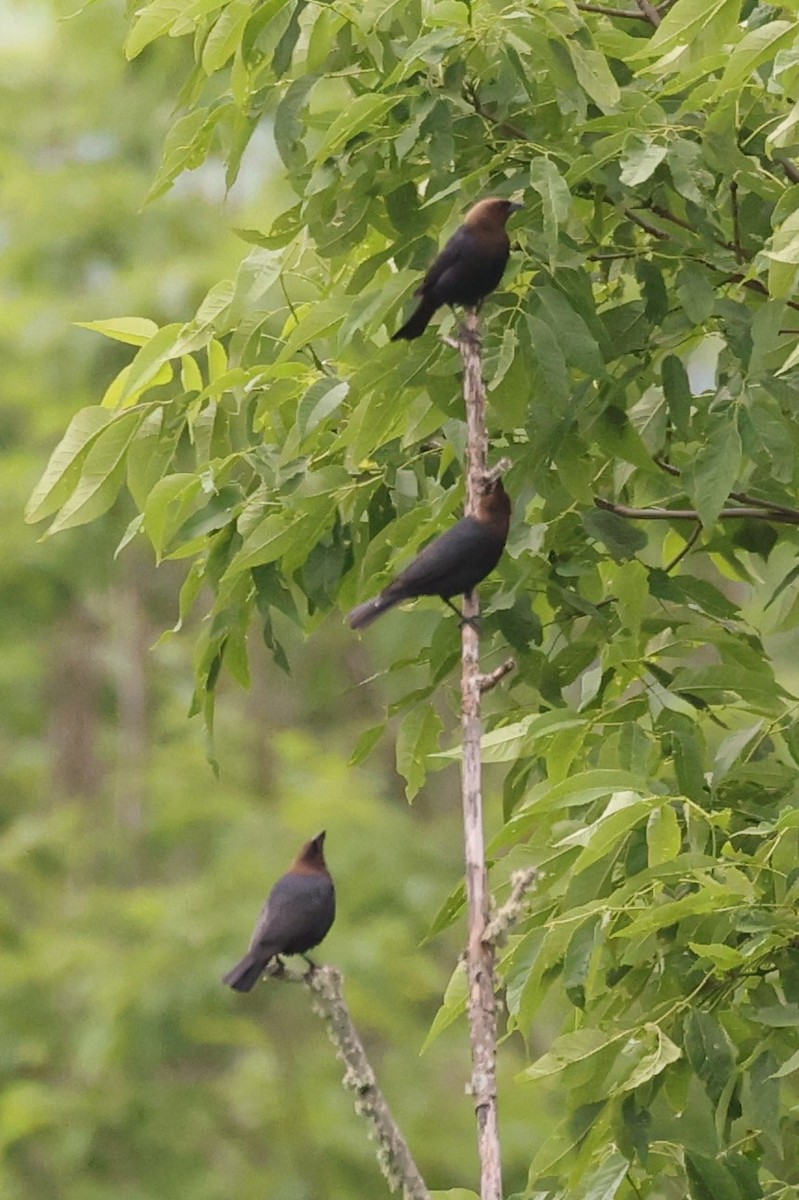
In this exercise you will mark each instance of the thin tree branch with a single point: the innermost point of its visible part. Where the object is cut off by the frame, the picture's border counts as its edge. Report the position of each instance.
(660, 210)
(776, 516)
(647, 226)
(487, 682)
(479, 950)
(512, 131)
(741, 497)
(625, 13)
(650, 12)
(320, 366)
(515, 907)
(393, 1154)
(687, 548)
(790, 169)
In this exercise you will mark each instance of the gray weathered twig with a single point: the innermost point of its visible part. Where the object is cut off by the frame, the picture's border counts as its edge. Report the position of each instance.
(514, 908)
(487, 682)
(393, 1154)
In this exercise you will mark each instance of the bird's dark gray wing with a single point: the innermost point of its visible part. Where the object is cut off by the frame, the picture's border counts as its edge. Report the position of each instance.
(452, 254)
(452, 563)
(295, 902)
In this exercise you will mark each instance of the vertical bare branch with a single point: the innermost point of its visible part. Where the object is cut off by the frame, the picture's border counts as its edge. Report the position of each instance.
(479, 950)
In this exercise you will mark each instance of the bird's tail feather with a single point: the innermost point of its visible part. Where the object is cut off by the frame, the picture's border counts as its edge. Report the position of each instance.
(246, 973)
(418, 321)
(365, 613)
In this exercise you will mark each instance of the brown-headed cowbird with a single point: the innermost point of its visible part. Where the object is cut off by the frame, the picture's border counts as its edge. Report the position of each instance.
(451, 564)
(468, 268)
(297, 915)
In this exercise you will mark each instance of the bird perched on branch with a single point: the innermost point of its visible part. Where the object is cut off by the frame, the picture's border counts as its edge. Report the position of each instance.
(451, 564)
(297, 915)
(468, 268)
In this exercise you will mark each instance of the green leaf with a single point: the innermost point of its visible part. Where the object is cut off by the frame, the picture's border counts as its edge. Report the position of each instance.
(677, 391)
(663, 835)
(623, 813)
(761, 1099)
(161, 347)
(730, 750)
(102, 474)
(549, 378)
(556, 200)
(63, 469)
(185, 147)
(709, 1051)
(726, 958)
(152, 22)
(782, 251)
(323, 398)
(617, 437)
(576, 338)
(778, 1016)
(149, 455)
(167, 506)
(757, 46)
(642, 156)
(657, 1051)
(788, 1067)
(583, 787)
(710, 897)
(448, 913)
(366, 743)
(683, 24)
(453, 1006)
(578, 958)
(570, 1048)
(621, 538)
(315, 321)
(711, 475)
(288, 128)
(225, 36)
(135, 331)
(605, 1180)
(709, 1179)
(594, 75)
(509, 743)
(360, 115)
(695, 293)
(417, 739)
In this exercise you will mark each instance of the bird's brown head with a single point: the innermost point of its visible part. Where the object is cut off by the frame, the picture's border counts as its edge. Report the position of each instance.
(311, 859)
(490, 214)
(493, 507)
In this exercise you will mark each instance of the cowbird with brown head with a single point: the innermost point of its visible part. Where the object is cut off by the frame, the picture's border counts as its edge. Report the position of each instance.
(468, 268)
(297, 915)
(451, 564)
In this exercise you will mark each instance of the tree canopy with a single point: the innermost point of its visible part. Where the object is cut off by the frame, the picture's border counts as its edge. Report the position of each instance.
(641, 366)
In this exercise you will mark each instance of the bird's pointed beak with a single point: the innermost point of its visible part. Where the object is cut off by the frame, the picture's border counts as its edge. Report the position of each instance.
(320, 838)
(515, 206)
